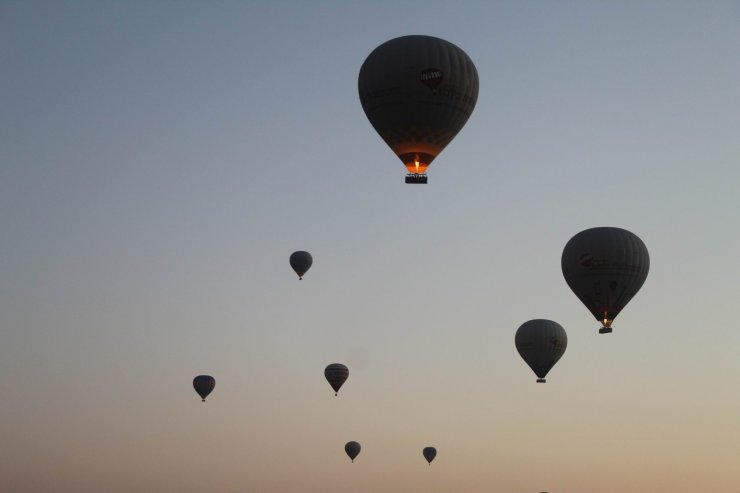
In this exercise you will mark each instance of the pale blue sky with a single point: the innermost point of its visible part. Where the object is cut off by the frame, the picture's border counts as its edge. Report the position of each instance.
(159, 162)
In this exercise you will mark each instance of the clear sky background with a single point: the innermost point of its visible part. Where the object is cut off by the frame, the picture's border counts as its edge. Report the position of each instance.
(160, 161)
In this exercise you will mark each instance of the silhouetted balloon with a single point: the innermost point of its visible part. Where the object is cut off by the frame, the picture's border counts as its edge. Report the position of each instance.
(418, 92)
(301, 261)
(336, 374)
(204, 385)
(352, 449)
(429, 454)
(541, 343)
(605, 267)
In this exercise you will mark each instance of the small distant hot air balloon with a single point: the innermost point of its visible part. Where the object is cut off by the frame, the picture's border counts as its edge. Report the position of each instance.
(336, 374)
(429, 454)
(352, 449)
(418, 92)
(301, 261)
(605, 267)
(541, 343)
(204, 385)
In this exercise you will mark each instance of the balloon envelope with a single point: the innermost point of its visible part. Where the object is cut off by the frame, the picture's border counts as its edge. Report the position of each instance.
(204, 385)
(336, 374)
(541, 343)
(352, 449)
(429, 454)
(605, 267)
(418, 92)
(301, 261)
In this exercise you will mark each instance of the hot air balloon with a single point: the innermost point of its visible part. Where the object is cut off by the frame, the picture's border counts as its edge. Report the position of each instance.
(301, 261)
(204, 385)
(352, 449)
(418, 92)
(429, 454)
(605, 267)
(541, 343)
(336, 374)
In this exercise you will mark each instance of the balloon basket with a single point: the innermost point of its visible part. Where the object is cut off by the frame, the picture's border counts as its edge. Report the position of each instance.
(605, 330)
(541, 380)
(414, 178)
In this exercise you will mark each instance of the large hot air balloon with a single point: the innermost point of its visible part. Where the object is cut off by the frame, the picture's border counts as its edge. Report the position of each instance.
(352, 449)
(418, 92)
(541, 343)
(429, 454)
(336, 374)
(204, 385)
(605, 267)
(301, 261)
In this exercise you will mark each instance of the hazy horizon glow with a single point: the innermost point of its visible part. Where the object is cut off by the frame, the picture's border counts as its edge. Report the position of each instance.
(160, 161)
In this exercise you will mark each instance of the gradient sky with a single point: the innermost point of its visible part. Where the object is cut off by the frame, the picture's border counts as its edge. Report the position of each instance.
(159, 162)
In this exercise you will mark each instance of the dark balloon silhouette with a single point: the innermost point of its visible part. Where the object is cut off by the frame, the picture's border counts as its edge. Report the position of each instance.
(605, 267)
(418, 92)
(336, 374)
(352, 449)
(541, 343)
(204, 385)
(429, 454)
(301, 261)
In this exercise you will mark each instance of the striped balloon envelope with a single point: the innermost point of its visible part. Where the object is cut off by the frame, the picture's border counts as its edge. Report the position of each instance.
(605, 267)
(541, 343)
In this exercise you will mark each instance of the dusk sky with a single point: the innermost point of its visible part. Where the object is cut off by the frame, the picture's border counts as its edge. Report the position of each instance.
(161, 160)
